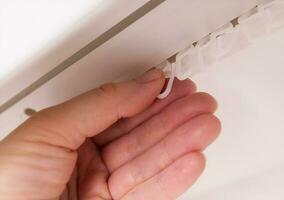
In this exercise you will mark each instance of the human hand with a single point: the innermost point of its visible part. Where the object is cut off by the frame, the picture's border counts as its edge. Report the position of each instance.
(112, 143)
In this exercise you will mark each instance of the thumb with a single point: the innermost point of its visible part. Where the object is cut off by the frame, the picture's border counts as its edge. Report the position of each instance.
(70, 123)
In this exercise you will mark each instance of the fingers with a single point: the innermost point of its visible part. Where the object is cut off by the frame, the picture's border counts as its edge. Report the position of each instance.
(194, 135)
(123, 126)
(156, 128)
(92, 173)
(67, 125)
(48, 140)
(170, 183)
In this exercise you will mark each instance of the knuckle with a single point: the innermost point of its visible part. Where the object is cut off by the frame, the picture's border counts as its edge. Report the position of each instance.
(205, 96)
(206, 99)
(109, 92)
(109, 89)
(189, 86)
(200, 98)
(213, 121)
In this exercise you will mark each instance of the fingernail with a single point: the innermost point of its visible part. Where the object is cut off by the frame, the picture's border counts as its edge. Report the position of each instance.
(150, 75)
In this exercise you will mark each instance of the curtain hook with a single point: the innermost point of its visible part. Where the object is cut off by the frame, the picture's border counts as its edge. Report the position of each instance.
(172, 68)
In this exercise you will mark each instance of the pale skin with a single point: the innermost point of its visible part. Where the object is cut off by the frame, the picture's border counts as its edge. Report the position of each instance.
(116, 142)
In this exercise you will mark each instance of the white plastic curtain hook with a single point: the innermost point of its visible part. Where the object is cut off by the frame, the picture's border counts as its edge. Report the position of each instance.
(225, 39)
(188, 63)
(252, 26)
(207, 52)
(255, 24)
(170, 83)
(275, 13)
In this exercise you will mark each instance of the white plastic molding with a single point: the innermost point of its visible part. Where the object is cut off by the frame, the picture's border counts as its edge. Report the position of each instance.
(252, 26)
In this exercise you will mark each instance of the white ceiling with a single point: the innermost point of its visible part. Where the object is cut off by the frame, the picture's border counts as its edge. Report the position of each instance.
(35, 36)
(30, 26)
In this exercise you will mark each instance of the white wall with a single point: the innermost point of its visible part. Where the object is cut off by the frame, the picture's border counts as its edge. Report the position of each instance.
(247, 161)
